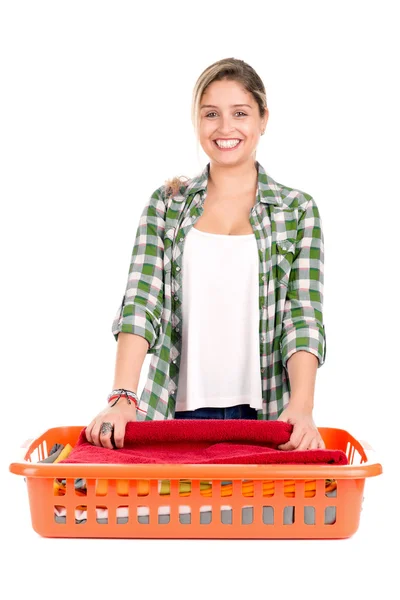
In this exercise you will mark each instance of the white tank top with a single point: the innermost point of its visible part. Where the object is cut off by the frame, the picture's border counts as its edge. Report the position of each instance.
(220, 359)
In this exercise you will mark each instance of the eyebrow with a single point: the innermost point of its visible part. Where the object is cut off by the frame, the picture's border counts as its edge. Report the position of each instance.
(232, 105)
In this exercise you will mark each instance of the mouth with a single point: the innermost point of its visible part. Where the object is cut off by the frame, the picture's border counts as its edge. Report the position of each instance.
(227, 149)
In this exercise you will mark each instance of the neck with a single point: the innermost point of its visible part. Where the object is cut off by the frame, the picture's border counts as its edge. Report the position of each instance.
(227, 180)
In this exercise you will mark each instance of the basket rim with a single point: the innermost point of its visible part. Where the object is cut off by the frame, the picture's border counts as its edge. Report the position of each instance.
(369, 468)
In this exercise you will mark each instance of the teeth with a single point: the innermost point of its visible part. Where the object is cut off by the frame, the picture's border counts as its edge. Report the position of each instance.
(227, 143)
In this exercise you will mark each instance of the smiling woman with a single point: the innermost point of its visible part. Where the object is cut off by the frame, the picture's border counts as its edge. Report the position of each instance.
(225, 283)
(225, 80)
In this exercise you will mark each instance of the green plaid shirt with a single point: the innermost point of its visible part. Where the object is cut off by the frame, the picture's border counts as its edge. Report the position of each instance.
(288, 230)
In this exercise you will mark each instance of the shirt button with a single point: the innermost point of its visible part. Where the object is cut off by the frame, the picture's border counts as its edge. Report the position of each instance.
(174, 361)
(176, 297)
(263, 277)
(178, 268)
(177, 329)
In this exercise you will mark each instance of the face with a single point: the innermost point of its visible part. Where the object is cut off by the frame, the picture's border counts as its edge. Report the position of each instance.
(231, 114)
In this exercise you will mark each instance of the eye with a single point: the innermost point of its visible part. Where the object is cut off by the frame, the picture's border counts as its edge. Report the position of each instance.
(213, 113)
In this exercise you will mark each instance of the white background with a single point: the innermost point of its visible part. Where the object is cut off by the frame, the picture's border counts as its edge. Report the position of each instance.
(95, 115)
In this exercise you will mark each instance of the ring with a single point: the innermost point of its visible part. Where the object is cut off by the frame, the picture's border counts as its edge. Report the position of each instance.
(106, 427)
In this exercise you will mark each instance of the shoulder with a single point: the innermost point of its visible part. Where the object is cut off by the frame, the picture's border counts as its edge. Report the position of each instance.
(294, 198)
(287, 198)
(177, 184)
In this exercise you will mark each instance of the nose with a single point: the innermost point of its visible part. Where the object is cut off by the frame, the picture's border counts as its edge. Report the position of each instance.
(226, 127)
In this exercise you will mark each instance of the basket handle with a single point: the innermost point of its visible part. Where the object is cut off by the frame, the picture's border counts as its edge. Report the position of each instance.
(370, 453)
(27, 443)
(20, 450)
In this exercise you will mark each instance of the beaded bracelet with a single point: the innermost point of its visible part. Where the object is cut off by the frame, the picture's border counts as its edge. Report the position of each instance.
(116, 395)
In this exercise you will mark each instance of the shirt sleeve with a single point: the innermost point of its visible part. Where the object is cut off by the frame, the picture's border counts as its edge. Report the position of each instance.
(302, 321)
(142, 304)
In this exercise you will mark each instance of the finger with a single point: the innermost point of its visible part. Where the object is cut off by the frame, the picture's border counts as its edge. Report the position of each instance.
(105, 435)
(321, 444)
(96, 433)
(119, 433)
(295, 440)
(88, 432)
(288, 446)
(298, 437)
(305, 442)
(313, 444)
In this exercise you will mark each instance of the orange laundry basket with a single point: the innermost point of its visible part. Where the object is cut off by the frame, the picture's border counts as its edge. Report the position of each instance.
(198, 501)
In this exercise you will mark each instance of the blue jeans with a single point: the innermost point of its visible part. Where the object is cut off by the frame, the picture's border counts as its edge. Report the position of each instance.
(240, 411)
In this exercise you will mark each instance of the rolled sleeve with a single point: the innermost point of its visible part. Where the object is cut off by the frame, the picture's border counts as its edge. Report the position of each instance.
(142, 304)
(302, 322)
(134, 319)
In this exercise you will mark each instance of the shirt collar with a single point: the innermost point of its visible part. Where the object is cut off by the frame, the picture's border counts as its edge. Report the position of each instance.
(268, 188)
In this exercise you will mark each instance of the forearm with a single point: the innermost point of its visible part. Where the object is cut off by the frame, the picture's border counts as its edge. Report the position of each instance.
(302, 370)
(131, 352)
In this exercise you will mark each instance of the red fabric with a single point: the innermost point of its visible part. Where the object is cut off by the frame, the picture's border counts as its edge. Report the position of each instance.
(230, 441)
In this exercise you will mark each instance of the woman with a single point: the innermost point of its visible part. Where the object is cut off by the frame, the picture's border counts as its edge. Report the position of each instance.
(225, 286)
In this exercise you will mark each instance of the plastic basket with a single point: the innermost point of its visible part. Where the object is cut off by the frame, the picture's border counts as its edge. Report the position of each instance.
(241, 501)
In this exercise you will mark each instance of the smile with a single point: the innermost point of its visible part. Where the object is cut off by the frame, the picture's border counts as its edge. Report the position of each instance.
(227, 145)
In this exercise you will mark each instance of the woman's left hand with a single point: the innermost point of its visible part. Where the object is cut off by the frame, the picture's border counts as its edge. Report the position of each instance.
(305, 435)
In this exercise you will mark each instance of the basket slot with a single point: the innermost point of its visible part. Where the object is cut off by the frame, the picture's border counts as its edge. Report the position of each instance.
(289, 489)
(331, 493)
(42, 449)
(268, 515)
(122, 520)
(309, 515)
(309, 488)
(247, 515)
(289, 513)
(38, 453)
(330, 515)
(103, 514)
(60, 514)
(353, 454)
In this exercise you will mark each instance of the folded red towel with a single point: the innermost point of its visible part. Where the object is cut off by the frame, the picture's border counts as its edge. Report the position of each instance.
(231, 441)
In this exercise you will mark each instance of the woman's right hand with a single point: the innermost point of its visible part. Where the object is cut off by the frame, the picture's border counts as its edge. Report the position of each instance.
(118, 416)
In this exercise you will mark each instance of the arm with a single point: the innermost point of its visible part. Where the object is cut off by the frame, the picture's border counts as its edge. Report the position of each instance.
(303, 339)
(141, 307)
(131, 352)
(302, 369)
(302, 324)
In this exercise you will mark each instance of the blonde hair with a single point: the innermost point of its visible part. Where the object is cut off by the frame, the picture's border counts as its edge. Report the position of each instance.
(231, 69)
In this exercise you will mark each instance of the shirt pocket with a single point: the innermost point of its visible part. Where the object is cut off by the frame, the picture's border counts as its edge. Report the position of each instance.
(285, 251)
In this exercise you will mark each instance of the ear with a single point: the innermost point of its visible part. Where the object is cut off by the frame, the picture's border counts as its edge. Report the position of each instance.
(264, 120)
